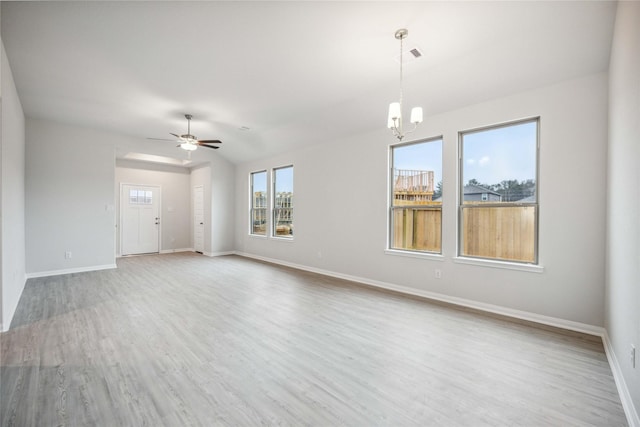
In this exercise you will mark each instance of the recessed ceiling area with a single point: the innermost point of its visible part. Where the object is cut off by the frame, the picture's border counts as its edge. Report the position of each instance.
(293, 73)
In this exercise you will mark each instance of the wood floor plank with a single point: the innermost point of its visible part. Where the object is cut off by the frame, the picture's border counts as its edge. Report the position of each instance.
(188, 340)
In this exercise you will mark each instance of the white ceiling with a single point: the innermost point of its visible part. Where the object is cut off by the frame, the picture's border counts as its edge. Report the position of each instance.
(295, 73)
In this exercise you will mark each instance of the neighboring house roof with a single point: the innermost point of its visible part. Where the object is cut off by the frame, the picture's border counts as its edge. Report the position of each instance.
(529, 199)
(477, 189)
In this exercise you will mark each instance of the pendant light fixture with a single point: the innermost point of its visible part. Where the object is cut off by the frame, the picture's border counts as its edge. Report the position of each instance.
(394, 121)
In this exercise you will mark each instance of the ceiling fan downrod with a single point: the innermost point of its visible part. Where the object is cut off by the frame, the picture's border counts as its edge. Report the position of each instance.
(188, 135)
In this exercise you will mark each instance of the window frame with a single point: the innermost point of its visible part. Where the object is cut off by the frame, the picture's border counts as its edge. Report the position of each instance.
(391, 208)
(274, 222)
(536, 203)
(253, 208)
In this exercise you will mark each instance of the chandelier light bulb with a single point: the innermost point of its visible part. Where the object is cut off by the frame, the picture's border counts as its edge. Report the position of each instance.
(394, 119)
(395, 114)
(416, 115)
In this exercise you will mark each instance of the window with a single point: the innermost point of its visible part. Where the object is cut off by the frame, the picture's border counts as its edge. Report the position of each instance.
(259, 203)
(283, 202)
(498, 213)
(416, 196)
(140, 197)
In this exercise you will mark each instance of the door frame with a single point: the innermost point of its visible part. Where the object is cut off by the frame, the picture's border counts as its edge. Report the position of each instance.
(120, 213)
(193, 215)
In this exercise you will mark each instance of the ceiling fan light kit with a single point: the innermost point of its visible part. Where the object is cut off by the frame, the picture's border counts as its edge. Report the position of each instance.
(188, 146)
(394, 120)
(190, 142)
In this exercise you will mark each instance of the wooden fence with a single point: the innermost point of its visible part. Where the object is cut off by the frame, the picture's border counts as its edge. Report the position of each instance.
(417, 229)
(504, 232)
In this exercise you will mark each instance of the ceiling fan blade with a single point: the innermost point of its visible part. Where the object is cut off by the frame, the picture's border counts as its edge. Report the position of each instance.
(161, 139)
(209, 141)
(177, 136)
(209, 146)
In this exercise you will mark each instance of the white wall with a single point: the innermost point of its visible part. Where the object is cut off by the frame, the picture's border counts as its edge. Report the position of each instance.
(623, 204)
(12, 205)
(175, 212)
(70, 198)
(341, 207)
(218, 180)
(223, 197)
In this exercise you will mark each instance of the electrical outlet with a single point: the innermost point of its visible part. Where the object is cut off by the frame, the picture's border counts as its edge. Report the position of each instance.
(438, 273)
(68, 255)
(632, 356)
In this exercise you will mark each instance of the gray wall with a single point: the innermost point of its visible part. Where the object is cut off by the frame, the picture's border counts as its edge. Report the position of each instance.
(223, 215)
(218, 180)
(341, 208)
(12, 205)
(70, 198)
(175, 211)
(622, 302)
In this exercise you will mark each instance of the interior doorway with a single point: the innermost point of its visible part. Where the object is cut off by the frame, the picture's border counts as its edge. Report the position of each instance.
(139, 219)
(198, 218)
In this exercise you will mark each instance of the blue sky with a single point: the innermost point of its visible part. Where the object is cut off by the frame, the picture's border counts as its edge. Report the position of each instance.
(420, 156)
(500, 154)
(259, 182)
(490, 156)
(284, 180)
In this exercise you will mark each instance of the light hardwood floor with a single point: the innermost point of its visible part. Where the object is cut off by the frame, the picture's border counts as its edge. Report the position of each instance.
(184, 339)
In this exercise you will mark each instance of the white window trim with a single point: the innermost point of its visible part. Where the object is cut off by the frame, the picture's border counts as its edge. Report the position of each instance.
(506, 265)
(415, 254)
(251, 207)
(272, 208)
(405, 252)
(515, 265)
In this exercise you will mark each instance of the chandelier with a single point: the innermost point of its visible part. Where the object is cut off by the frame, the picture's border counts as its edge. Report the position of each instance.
(394, 121)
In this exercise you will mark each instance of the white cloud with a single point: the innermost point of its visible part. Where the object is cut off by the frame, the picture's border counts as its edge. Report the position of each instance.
(483, 161)
(471, 161)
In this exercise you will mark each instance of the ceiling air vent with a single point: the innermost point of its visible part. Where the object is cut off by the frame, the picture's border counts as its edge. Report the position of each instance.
(415, 52)
(410, 55)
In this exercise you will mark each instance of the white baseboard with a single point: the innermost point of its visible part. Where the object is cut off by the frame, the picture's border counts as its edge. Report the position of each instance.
(627, 403)
(223, 253)
(171, 251)
(623, 391)
(70, 270)
(490, 308)
(210, 254)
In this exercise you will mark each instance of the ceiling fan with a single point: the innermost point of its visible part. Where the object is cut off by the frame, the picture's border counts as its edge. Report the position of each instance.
(191, 142)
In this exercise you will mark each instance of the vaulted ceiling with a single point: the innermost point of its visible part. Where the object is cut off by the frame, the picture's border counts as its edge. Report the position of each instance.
(294, 73)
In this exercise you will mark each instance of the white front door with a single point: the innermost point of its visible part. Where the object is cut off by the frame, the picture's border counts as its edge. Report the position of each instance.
(198, 218)
(140, 219)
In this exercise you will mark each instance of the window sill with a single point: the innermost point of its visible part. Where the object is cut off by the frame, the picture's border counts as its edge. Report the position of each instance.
(282, 239)
(257, 236)
(415, 254)
(499, 264)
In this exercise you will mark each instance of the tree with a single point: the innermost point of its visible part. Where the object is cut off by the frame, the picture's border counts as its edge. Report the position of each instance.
(438, 192)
